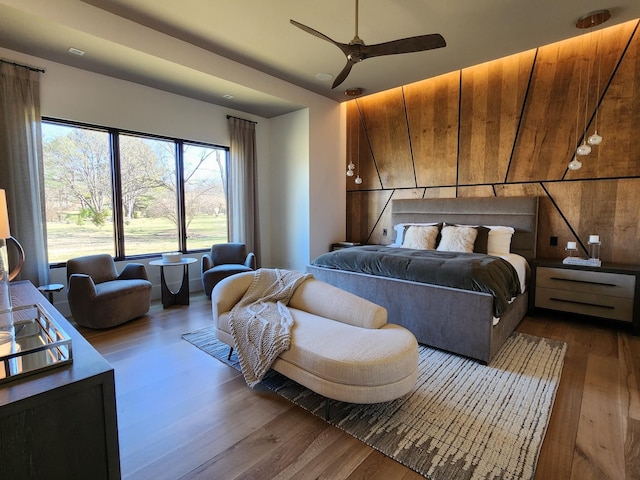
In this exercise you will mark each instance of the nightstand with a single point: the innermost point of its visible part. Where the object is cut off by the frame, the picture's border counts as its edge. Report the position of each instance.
(611, 291)
(341, 245)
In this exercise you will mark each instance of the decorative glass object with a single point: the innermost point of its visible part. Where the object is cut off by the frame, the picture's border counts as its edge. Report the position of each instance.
(594, 247)
(571, 248)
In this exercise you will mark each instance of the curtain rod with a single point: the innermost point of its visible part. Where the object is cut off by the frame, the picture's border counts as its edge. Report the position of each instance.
(28, 67)
(243, 119)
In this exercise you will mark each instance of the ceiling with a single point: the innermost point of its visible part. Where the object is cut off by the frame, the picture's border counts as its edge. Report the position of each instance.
(185, 47)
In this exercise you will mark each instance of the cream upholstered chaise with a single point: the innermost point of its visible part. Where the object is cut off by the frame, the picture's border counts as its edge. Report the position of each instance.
(341, 345)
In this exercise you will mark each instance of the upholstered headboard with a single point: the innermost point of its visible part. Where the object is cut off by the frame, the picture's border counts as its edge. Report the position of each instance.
(521, 213)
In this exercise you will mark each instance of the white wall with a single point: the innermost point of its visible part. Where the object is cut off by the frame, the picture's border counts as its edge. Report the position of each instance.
(290, 179)
(308, 178)
(300, 155)
(327, 179)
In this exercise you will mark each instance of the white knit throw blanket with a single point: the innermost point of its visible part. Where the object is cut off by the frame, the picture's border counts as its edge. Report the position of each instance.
(260, 322)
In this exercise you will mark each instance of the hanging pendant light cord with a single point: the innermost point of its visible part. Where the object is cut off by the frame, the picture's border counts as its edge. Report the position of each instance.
(358, 147)
(586, 94)
(579, 92)
(598, 89)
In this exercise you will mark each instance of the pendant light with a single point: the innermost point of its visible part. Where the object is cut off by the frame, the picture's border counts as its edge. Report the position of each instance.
(592, 20)
(576, 164)
(358, 180)
(596, 139)
(351, 168)
(584, 149)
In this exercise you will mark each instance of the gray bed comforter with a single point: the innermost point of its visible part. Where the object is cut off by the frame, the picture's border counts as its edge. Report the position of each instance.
(467, 271)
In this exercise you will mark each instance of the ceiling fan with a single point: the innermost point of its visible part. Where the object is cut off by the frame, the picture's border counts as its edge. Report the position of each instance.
(356, 50)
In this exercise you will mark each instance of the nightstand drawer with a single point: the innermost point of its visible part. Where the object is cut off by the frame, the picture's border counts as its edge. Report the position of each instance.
(586, 282)
(616, 308)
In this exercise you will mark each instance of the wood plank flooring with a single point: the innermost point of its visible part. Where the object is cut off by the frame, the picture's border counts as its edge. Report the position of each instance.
(184, 415)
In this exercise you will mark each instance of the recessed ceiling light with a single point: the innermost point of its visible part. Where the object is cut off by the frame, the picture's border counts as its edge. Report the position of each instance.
(227, 96)
(76, 51)
(324, 77)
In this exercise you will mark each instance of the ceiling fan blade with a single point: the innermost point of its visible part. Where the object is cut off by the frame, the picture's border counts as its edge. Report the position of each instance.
(343, 74)
(356, 50)
(404, 45)
(314, 32)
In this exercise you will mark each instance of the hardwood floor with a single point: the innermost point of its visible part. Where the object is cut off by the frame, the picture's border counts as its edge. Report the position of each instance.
(184, 415)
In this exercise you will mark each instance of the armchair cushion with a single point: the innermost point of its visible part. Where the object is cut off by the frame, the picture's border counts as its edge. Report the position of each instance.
(101, 268)
(133, 271)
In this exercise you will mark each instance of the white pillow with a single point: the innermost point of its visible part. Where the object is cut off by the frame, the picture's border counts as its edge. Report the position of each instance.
(421, 237)
(401, 229)
(499, 242)
(457, 239)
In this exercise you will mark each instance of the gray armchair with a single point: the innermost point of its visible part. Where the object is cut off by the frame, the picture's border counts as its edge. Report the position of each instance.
(99, 297)
(224, 260)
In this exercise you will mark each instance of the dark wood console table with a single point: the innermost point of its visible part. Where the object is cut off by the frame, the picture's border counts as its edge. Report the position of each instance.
(60, 423)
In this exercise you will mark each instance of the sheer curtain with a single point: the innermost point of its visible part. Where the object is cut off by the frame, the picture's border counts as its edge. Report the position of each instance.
(243, 187)
(21, 172)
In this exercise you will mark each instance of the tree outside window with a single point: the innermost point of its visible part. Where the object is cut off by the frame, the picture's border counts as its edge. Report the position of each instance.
(83, 176)
(78, 191)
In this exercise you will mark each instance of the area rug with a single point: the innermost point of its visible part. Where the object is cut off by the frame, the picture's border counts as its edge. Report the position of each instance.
(462, 421)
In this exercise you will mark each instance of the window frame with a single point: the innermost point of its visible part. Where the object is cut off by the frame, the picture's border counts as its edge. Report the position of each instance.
(116, 185)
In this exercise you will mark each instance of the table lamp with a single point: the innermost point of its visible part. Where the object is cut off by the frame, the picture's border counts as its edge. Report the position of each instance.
(6, 317)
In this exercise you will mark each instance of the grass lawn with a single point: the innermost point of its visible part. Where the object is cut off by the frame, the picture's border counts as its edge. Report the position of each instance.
(142, 236)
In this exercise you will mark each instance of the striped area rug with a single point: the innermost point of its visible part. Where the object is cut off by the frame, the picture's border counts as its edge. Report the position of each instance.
(462, 421)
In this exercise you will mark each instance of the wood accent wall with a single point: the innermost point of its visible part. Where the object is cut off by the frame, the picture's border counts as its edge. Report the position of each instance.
(510, 127)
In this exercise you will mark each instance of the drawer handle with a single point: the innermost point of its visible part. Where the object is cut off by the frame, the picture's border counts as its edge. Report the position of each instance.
(584, 281)
(582, 303)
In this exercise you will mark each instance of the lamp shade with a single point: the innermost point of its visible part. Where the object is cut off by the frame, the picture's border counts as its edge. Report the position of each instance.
(4, 216)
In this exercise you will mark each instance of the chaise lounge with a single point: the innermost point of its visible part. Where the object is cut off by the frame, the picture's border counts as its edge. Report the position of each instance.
(341, 345)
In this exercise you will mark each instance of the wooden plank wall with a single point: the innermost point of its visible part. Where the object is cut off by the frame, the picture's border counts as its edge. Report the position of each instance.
(510, 127)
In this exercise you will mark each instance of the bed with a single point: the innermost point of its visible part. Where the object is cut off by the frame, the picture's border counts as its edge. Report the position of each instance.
(453, 319)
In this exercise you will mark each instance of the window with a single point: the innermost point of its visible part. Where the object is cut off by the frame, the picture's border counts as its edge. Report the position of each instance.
(205, 196)
(130, 194)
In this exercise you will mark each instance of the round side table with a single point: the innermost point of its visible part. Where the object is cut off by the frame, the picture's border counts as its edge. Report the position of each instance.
(181, 297)
(50, 289)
